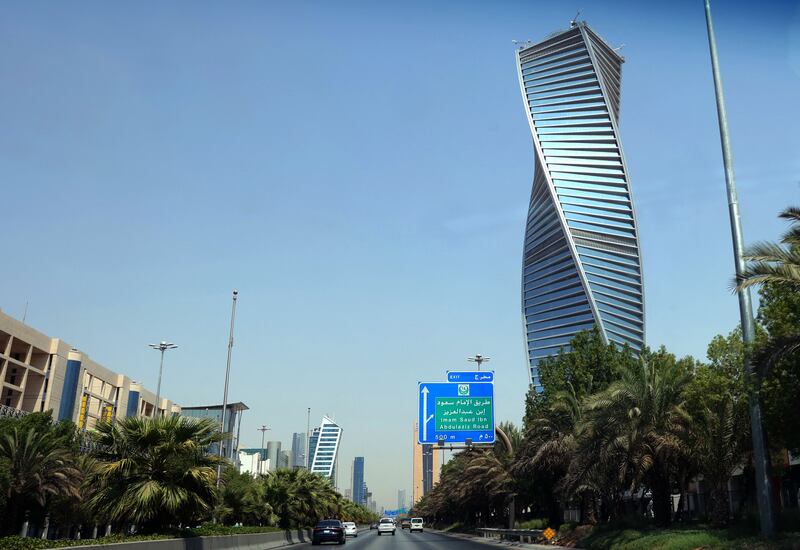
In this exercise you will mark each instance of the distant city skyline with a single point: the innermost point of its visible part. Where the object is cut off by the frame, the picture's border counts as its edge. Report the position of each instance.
(178, 158)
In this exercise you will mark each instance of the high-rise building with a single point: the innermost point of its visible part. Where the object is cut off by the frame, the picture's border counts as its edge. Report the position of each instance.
(426, 467)
(312, 446)
(401, 499)
(581, 265)
(273, 452)
(298, 450)
(40, 373)
(326, 448)
(283, 459)
(358, 480)
(233, 423)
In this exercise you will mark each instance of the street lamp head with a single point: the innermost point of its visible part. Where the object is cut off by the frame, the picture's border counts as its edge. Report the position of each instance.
(163, 346)
(235, 292)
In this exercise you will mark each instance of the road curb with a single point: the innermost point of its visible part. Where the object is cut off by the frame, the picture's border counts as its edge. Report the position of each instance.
(496, 543)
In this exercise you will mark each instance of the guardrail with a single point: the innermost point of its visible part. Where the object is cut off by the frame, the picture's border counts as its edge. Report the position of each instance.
(521, 535)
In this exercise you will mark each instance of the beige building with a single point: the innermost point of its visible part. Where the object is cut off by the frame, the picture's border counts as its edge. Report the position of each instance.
(427, 467)
(41, 373)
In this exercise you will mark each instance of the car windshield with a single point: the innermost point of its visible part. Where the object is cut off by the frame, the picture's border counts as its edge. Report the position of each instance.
(386, 520)
(329, 523)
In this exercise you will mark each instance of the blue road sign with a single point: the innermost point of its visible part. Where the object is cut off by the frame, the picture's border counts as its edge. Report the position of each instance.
(455, 412)
(470, 376)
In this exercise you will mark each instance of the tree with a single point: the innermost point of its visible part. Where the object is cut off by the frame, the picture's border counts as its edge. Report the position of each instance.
(637, 428)
(773, 262)
(156, 472)
(718, 446)
(38, 469)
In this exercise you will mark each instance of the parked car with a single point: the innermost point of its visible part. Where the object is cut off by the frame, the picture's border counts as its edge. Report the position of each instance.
(328, 530)
(386, 525)
(350, 529)
(405, 524)
(416, 525)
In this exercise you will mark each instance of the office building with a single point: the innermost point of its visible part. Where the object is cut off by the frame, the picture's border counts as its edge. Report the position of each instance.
(326, 441)
(581, 263)
(298, 459)
(250, 462)
(233, 423)
(358, 480)
(426, 467)
(40, 373)
(401, 499)
(348, 494)
(273, 449)
(283, 460)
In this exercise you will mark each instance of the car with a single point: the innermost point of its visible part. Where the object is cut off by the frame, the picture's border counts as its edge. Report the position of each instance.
(350, 529)
(386, 526)
(416, 525)
(373, 526)
(328, 530)
(405, 524)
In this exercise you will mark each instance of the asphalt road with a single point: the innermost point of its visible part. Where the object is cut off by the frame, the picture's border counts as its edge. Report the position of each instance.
(403, 540)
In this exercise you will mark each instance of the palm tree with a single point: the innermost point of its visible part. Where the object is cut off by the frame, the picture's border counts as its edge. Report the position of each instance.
(718, 446)
(39, 468)
(156, 472)
(773, 262)
(637, 429)
(550, 447)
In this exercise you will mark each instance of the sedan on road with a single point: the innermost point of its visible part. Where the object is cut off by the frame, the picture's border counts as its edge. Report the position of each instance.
(386, 526)
(328, 530)
(350, 529)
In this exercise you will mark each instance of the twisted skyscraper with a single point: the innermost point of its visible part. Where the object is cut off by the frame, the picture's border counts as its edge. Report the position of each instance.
(581, 266)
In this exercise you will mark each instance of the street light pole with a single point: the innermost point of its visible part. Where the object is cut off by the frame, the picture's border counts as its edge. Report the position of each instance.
(227, 378)
(308, 440)
(262, 429)
(478, 359)
(162, 347)
(763, 488)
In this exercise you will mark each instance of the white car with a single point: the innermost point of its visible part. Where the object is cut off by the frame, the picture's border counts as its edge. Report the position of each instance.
(350, 529)
(416, 525)
(386, 526)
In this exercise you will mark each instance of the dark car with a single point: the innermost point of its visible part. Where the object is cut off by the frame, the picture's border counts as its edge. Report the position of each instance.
(328, 530)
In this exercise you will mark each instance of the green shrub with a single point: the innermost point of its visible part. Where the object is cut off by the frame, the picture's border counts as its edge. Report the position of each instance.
(536, 523)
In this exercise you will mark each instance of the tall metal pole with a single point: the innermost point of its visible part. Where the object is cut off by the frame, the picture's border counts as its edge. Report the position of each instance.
(308, 440)
(162, 347)
(227, 378)
(263, 430)
(158, 387)
(763, 487)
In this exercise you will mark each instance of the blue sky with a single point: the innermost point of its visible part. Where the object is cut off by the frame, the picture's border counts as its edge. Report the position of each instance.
(360, 171)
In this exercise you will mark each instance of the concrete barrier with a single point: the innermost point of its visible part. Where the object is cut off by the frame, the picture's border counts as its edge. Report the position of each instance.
(256, 541)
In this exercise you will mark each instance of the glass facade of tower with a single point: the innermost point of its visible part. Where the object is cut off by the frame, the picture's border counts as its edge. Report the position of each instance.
(326, 448)
(581, 264)
(359, 486)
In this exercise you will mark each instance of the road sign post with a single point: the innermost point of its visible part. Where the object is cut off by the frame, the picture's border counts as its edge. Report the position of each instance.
(456, 412)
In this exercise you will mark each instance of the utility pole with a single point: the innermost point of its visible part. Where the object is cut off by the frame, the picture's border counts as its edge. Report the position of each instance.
(162, 347)
(760, 458)
(262, 429)
(227, 378)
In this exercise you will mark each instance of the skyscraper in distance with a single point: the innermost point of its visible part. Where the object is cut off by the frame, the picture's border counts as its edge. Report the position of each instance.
(426, 467)
(298, 451)
(581, 264)
(358, 480)
(326, 438)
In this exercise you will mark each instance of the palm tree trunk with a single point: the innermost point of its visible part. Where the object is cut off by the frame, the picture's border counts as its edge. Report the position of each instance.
(719, 505)
(661, 501)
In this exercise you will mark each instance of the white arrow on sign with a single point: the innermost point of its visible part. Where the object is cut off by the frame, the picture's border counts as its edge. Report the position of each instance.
(425, 413)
